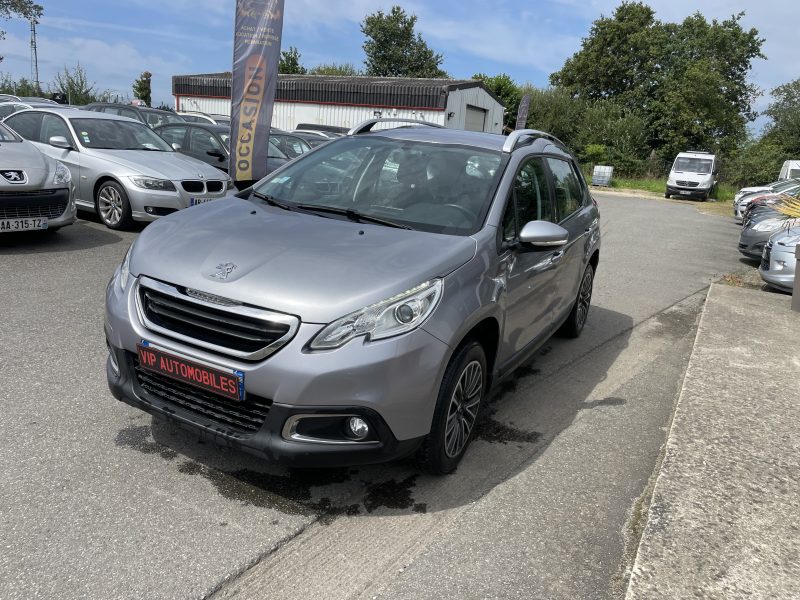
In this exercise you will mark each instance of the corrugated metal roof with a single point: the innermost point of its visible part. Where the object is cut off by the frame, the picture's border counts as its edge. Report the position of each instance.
(326, 89)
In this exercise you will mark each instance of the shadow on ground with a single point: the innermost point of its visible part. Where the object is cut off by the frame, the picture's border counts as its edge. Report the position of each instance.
(511, 432)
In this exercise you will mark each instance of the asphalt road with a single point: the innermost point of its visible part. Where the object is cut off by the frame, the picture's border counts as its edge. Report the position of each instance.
(99, 501)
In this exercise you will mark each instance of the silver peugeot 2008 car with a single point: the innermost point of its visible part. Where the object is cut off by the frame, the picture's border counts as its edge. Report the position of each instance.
(357, 304)
(36, 192)
(121, 169)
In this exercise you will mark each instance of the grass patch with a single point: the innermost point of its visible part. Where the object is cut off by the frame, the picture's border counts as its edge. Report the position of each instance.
(723, 193)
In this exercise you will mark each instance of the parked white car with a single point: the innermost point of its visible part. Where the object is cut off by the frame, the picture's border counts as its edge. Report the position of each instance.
(790, 169)
(778, 262)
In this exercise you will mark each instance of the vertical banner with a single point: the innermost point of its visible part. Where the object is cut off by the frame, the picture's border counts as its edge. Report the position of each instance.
(256, 52)
(522, 111)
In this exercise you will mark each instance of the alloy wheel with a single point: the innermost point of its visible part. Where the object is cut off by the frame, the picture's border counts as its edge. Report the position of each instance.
(463, 409)
(585, 297)
(110, 205)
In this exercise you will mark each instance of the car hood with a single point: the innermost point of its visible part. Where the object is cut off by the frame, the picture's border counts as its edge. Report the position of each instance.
(317, 268)
(26, 157)
(163, 165)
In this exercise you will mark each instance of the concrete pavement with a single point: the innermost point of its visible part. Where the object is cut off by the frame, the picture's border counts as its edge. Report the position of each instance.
(724, 521)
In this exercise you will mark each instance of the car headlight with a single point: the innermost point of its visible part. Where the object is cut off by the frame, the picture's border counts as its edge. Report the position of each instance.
(62, 175)
(390, 317)
(150, 183)
(125, 270)
(768, 225)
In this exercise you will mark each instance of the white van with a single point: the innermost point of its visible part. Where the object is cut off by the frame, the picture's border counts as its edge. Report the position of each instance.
(693, 174)
(790, 170)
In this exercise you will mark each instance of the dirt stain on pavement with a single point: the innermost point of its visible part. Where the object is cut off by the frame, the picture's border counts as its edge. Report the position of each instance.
(493, 431)
(391, 494)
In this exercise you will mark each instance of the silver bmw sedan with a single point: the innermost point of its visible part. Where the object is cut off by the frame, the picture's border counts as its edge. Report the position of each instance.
(122, 169)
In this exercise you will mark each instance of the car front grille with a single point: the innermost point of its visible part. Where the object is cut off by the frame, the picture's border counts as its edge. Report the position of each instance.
(212, 322)
(765, 257)
(240, 416)
(214, 186)
(192, 186)
(688, 183)
(33, 203)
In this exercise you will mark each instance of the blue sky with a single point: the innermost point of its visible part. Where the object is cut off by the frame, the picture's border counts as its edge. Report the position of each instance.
(528, 39)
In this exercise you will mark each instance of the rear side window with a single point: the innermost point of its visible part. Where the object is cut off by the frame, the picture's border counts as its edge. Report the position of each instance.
(566, 184)
(27, 124)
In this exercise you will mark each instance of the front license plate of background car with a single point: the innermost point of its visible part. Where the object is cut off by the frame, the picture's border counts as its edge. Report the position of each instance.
(685, 192)
(8, 225)
(218, 381)
(196, 201)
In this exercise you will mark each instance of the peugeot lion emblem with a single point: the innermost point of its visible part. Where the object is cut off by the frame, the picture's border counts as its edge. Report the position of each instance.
(223, 270)
(14, 176)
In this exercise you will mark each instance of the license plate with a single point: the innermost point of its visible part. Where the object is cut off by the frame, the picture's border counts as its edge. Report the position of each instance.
(196, 201)
(684, 192)
(229, 384)
(8, 225)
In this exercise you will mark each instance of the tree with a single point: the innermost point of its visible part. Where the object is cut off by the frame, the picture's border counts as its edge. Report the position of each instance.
(24, 9)
(76, 87)
(336, 69)
(290, 62)
(687, 81)
(142, 89)
(393, 49)
(509, 93)
(20, 87)
(784, 131)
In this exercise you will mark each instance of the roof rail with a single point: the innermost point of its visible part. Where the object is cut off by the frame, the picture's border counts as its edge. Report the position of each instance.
(367, 125)
(515, 136)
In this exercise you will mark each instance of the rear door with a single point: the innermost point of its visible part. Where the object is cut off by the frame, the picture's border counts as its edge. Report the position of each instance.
(203, 145)
(575, 213)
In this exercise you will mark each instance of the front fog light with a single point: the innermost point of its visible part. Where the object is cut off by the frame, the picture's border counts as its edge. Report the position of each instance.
(357, 428)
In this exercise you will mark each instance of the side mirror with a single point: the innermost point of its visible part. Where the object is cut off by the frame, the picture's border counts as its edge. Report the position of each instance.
(176, 146)
(543, 233)
(216, 154)
(59, 141)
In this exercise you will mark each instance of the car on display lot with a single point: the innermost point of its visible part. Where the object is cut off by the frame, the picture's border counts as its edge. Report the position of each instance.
(757, 231)
(746, 195)
(211, 144)
(9, 108)
(290, 144)
(779, 262)
(205, 118)
(152, 117)
(358, 304)
(36, 192)
(312, 139)
(121, 168)
(693, 174)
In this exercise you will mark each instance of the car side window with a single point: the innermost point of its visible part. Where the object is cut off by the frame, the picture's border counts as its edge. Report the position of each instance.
(54, 126)
(27, 124)
(568, 191)
(530, 200)
(202, 141)
(173, 135)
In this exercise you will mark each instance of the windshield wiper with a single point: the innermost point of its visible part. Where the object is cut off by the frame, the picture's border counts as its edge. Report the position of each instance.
(353, 215)
(272, 201)
(143, 148)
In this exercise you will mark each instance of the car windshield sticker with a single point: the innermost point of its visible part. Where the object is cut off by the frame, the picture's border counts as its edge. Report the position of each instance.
(85, 136)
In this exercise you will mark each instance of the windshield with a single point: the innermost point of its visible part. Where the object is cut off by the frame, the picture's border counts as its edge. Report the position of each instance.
(692, 165)
(108, 134)
(794, 173)
(6, 135)
(429, 187)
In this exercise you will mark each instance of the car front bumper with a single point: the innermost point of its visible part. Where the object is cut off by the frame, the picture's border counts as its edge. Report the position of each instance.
(689, 192)
(149, 205)
(393, 384)
(751, 243)
(778, 267)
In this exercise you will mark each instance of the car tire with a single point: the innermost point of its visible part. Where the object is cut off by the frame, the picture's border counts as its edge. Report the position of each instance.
(574, 324)
(457, 410)
(113, 206)
(666, 195)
